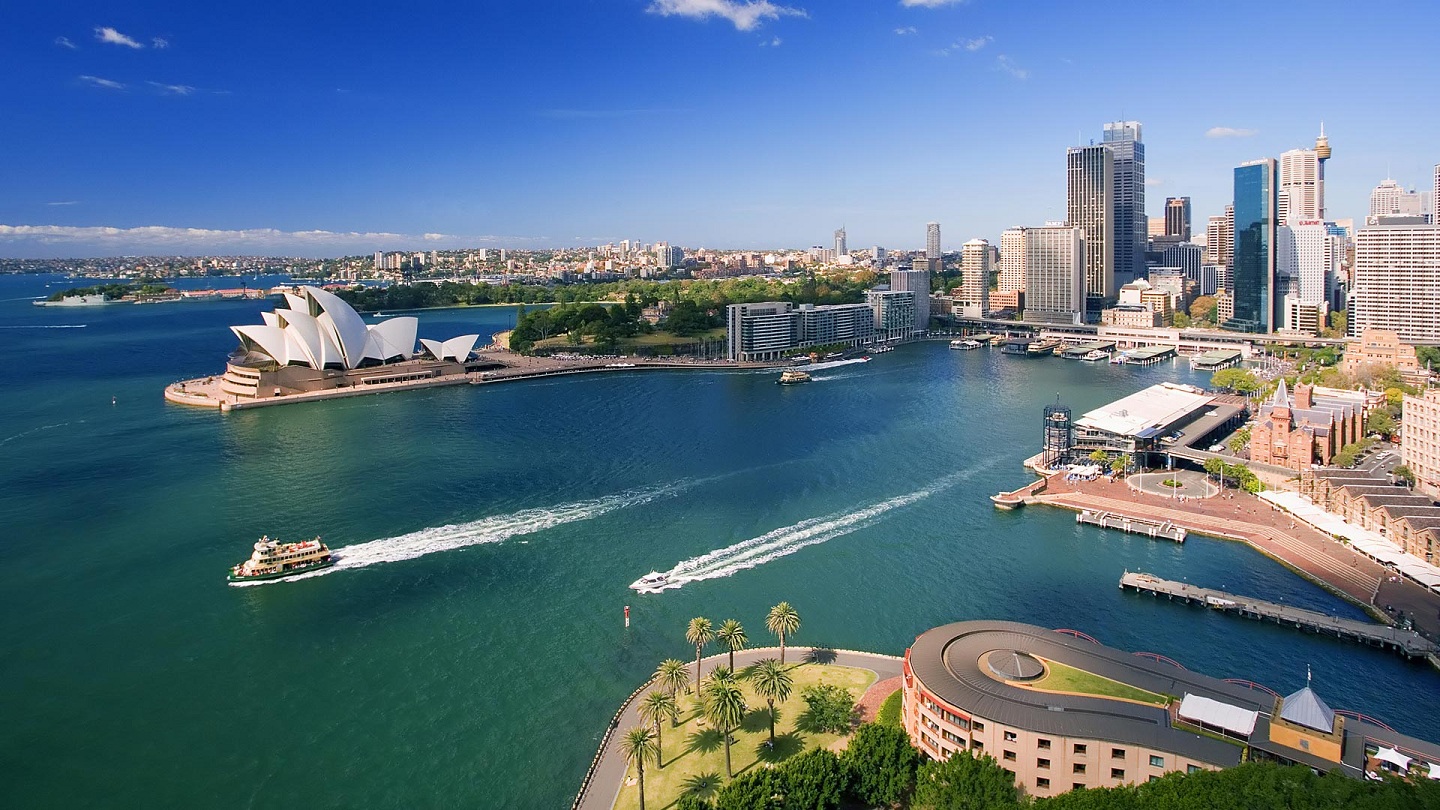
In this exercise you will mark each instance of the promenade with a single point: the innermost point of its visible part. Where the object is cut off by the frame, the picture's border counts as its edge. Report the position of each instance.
(601, 786)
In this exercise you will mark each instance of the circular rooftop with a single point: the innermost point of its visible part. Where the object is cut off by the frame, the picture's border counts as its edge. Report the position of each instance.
(1013, 665)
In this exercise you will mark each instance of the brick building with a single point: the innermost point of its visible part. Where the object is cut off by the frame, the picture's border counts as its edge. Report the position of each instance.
(1308, 430)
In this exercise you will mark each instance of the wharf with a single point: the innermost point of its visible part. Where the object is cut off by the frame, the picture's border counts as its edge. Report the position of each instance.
(1148, 356)
(1406, 642)
(1157, 529)
(1216, 359)
(1078, 351)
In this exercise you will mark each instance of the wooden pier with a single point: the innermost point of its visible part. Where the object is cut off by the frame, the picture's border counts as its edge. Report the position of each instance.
(1158, 529)
(1405, 642)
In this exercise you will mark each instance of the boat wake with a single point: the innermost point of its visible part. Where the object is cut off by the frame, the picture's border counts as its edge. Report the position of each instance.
(47, 326)
(787, 540)
(492, 529)
(33, 430)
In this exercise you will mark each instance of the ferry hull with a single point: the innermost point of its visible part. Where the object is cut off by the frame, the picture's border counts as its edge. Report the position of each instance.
(232, 577)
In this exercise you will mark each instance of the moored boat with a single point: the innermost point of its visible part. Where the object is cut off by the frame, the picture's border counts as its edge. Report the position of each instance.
(1095, 356)
(275, 560)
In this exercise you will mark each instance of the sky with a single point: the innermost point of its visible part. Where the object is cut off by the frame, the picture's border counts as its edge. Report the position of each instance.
(182, 128)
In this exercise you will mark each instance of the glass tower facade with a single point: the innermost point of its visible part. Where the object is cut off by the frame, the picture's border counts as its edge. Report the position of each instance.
(1129, 231)
(1253, 273)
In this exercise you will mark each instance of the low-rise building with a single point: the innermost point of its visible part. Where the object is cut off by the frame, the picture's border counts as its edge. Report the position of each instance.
(1309, 430)
(767, 330)
(1420, 439)
(1377, 348)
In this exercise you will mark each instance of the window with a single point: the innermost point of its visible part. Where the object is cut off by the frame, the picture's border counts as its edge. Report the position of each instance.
(1077, 785)
(1117, 753)
(1157, 762)
(1117, 773)
(1043, 764)
(1080, 749)
(977, 725)
(1078, 767)
(1009, 736)
(1192, 768)
(976, 745)
(1154, 779)
(1009, 756)
(1043, 744)
(1042, 783)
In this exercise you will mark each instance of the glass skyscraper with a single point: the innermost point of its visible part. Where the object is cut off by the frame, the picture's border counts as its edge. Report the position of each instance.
(1253, 273)
(1129, 232)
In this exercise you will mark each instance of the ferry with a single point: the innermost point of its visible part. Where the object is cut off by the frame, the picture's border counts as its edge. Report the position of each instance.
(1043, 348)
(275, 560)
(965, 344)
(793, 376)
(1095, 356)
(653, 582)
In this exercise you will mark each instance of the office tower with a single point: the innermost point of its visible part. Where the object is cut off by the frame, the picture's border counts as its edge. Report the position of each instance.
(840, 247)
(1397, 282)
(932, 240)
(1227, 237)
(1055, 274)
(904, 279)
(894, 313)
(1302, 192)
(1012, 260)
(1129, 231)
(1390, 199)
(1185, 256)
(1435, 198)
(1213, 227)
(1090, 206)
(1155, 226)
(1177, 217)
(877, 254)
(975, 278)
(1254, 268)
(1306, 263)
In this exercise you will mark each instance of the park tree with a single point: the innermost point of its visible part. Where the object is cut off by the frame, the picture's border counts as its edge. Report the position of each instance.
(692, 801)
(772, 682)
(725, 709)
(964, 782)
(699, 632)
(672, 676)
(883, 763)
(1100, 457)
(758, 789)
(731, 635)
(657, 706)
(638, 745)
(1235, 379)
(1119, 463)
(1381, 422)
(815, 780)
(1202, 309)
(784, 622)
(829, 708)
(1405, 474)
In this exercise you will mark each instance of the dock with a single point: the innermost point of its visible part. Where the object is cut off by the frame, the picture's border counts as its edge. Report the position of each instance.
(1157, 529)
(1148, 356)
(1078, 351)
(1215, 359)
(1406, 642)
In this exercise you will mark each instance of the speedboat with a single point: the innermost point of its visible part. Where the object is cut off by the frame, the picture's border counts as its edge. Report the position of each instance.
(653, 582)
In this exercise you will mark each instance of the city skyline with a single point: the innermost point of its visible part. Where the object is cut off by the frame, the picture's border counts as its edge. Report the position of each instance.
(516, 127)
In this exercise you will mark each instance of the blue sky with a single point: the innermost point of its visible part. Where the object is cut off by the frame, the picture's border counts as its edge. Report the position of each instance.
(270, 127)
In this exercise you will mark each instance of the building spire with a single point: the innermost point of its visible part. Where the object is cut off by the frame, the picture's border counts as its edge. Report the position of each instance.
(1282, 395)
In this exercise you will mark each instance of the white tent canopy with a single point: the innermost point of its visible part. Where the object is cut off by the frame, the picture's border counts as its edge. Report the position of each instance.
(1393, 757)
(1198, 709)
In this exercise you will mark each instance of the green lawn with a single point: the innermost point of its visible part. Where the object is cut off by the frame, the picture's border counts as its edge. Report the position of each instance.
(694, 750)
(1061, 678)
(562, 342)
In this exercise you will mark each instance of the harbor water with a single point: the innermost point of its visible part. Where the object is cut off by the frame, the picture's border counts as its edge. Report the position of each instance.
(470, 647)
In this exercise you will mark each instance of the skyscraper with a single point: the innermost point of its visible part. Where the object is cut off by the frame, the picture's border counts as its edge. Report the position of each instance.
(975, 278)
(1012, 260)
(1055, 274)
(1177, 218)
(1397, 282)
(1306, 261)
(1213, 228)
(1129, 229)
(1435, 198)
(1322, 154)
(1253, 274)
(917, 282)
(840, 247)
(932, 240)
(1302, 192)
(1090, 206)
(1390, 198)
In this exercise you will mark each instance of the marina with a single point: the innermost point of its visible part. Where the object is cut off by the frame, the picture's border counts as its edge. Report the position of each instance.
(1157, 529)
(1406, 642)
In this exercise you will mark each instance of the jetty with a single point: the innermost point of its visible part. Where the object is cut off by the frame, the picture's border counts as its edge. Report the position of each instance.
(1406, 642)
(1157, 529)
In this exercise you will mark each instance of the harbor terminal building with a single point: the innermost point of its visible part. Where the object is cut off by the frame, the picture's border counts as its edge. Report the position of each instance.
(1164, 418)
(1060, 711)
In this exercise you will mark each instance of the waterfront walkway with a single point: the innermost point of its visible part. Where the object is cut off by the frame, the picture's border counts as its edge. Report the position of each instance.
(602, 784)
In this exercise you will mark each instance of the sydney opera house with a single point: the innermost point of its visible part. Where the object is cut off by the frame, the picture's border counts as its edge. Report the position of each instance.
(319, 343)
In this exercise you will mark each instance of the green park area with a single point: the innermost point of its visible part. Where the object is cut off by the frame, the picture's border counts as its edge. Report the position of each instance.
(657, 342)
(1062, 678)
(692, 752)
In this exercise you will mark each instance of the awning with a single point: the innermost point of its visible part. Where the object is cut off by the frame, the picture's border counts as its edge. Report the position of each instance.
(1213, 713)
(1393, 757)
(1434, 771)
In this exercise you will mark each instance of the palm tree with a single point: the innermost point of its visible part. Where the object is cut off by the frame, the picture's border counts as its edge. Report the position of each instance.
(784, 622)
(732, 635)
(638, 745)
(725, 709)
(772, 682)
(656, 707)
(671, 675)
(700, 632)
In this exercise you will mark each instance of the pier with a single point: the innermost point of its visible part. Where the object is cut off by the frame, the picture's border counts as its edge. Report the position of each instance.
(1157, 529)
(1405, 642)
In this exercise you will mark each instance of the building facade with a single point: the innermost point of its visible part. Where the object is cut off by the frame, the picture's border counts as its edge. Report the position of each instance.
(894, 313)
(1396, 282)
(1090, 206)
(918, 283)
(1420, 439)
(767, 330)
(975, 278)
(1129, 232)
(1309, 430)
(932, 241)
(1177, 217)
(1307, 261)
(1055, 274)
(1012, 260)
(1253, 271)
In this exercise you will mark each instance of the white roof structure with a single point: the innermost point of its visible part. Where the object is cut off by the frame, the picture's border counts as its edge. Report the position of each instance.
(1146, 413)
(1395, 758)
(1233, 719)
(1307, 709)
(456, 348)
(1372, 544)
(321, 331)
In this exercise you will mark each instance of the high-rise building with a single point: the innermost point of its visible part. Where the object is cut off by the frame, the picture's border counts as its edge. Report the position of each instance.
(840, 247)
(1253, 273)
(1155, 226)
(932, 240)
(894, 313)
(975, 278)
(903, 279)
(1302, 192)
(1435, 198)
(1177, 217)
(1129, 231)
(1306, 263)
(1055, 274)
(379, 260)
(1397, 282)
(1227, 237)
(1213, 228)
(1322, 154)
(1012, 260)
(1391, 199)
(1090, 206)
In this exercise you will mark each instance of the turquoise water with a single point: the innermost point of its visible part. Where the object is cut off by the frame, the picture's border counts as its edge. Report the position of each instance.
(471, 649)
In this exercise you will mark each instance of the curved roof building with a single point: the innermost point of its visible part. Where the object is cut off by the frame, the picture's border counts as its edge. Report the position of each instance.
(321, 331)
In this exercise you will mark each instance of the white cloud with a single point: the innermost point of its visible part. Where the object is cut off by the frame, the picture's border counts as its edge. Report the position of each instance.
(909, 29)
(1228, 132)
(172, 89)
(65, 42)
(64, 202)
(110, 35)
(773, 43)
(976, 44)
(159, 43)
(1154, 181)
(745, 16)
(157, 240)
(931, 3)
(96, 81)
(1008, 65)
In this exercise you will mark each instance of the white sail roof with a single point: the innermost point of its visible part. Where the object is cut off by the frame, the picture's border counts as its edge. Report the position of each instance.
(320, 330)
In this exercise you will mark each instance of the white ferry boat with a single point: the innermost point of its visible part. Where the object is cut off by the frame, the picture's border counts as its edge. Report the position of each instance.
(966, 345)
(793, 376)
(1095, 356)
(275, 560)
